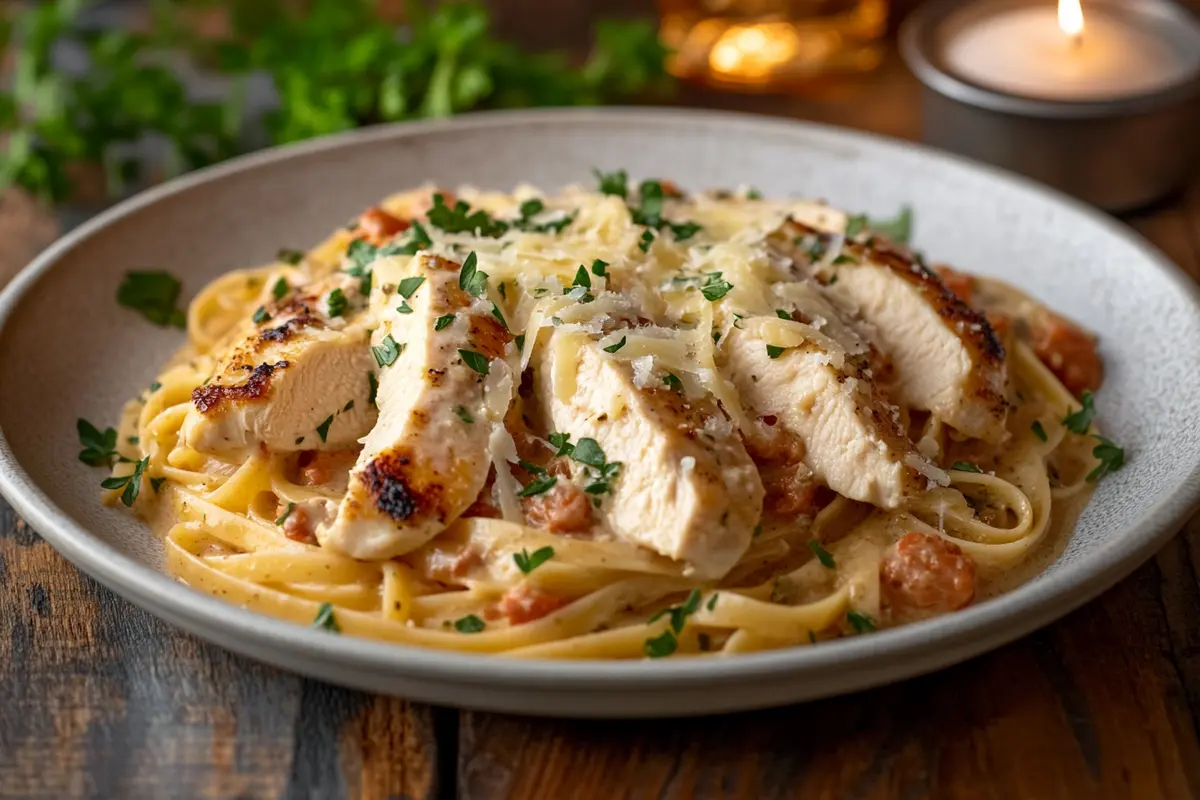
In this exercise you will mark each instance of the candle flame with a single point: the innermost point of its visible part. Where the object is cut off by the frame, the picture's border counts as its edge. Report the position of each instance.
(1070, 18)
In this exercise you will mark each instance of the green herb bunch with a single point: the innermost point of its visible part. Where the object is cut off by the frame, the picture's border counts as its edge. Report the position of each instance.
(334, 64)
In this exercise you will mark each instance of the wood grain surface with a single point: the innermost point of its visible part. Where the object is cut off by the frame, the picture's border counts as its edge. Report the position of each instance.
(99, 699)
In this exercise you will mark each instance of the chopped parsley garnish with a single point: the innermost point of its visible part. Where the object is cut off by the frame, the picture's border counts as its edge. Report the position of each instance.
(582, 278)
(132, 484)
(132, 439)
(365, 283)
(587, 451)
(712, 602)
(898, 230)
(99, 447)
(361, 253)
(600, 268)
(260, 315)
(646, 240)
(471, 279)
(156, 484)
(753, 194)
(855, 225)
(612, 348)
(1079, 421)
(419, 240)
(615, 183)
(553, 226)
(779, 312)
(1039, 431)
(279, 289)
(337, 303)
(443, 321)
(155, 386)
(409, 286)
(715, 287)
(469, 624)
(860, 622)
(823, 555)
(531, 208)
(325, 619)
(650, 211)
(372, 388)
(289, 256)
(462, 413)
(965, 466)
(348, 406)
(520, 340)
(153, 295)
(673, 383)
(458, 220)
(682, 231)
(563, 443)
(774, 351)
(1110, 454)
(475, 361)
(323, 428)
(287, 512)
(660, 646)
(844, 259)
(527, 562)
(404, 308)
(542, 481)
(387, 351)
(499, 316)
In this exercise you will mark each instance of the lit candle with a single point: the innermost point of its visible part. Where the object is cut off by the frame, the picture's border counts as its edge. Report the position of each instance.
(1035, 52)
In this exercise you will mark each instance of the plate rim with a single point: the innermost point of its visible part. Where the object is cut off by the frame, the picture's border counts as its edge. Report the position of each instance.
(885, 656)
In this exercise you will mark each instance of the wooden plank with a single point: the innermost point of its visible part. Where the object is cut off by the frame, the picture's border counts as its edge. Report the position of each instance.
(101, 699)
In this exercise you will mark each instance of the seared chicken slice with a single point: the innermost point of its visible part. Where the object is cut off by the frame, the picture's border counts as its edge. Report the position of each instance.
(686, 488)
(823, 395)
(297, 379)
(946, 358)
(427, 458)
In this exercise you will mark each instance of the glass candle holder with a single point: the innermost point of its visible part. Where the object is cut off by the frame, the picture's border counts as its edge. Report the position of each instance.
(772, 45)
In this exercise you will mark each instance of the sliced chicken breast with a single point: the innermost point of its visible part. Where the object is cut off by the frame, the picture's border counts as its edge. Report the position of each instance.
(946, 358)
(427, 458)
(686, 488)
(823, 395)
(296, 379)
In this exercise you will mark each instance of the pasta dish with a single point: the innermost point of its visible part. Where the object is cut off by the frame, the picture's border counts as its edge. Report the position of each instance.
(613, 422)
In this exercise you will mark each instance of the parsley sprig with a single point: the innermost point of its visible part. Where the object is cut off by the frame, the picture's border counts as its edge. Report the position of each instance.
(666, 643)
(153, 294)
(132, 484)
(1079, 421)
(99, 447)
(527, 562)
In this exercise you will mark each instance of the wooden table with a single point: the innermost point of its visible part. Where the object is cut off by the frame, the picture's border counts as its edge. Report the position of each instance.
(100, 699)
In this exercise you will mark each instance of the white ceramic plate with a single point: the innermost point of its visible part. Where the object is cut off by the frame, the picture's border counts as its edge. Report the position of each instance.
(68, 351)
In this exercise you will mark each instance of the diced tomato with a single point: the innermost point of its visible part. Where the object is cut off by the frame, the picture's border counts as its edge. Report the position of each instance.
(926, 574)
(960, 283)
(525, 604)
(1069, 352)
(297, 526)
(378, 226)
(792, 492)
(564, 508)
(323, 466)
(670, 188)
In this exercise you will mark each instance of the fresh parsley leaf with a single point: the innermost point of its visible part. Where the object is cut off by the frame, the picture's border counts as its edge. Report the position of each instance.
(899, 229)
(476, 361)
(325, 619)
(462, 413)
(365, 283)
(582, 278)
(459, 220)
(563, 443)
(372, 387)
(650, 211)
(499, 316)
(682, 231)
(678, 614)
(520, 340)
(612, 348)
(260, 315)
(660, 646)
(753, 194)
(712, 602)
(673, 382)
(287, 512)
(99, 448)
(153, 295)
(337, 303)
(1039, 431)
(1079, 421)
(323, 428)
(155, 386)
(586, 451)
(387, 351)
(279, 289)
(404, 308)
(860, 622)
(779, 312)
(289, 256)
(471, 279)
(409, 286)
(615, 183)
(540, 483)
(443, 321)
(855, 225)
(646, 240)
(418, 240)
(1111, 456)
(531, 208)
(527, 562)
(600, 268)
(844, 259)
(715, 287)
(132, 484)
(774, 351)
(965, 466)
(361, 253)
(823, 555)
(469, 624)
